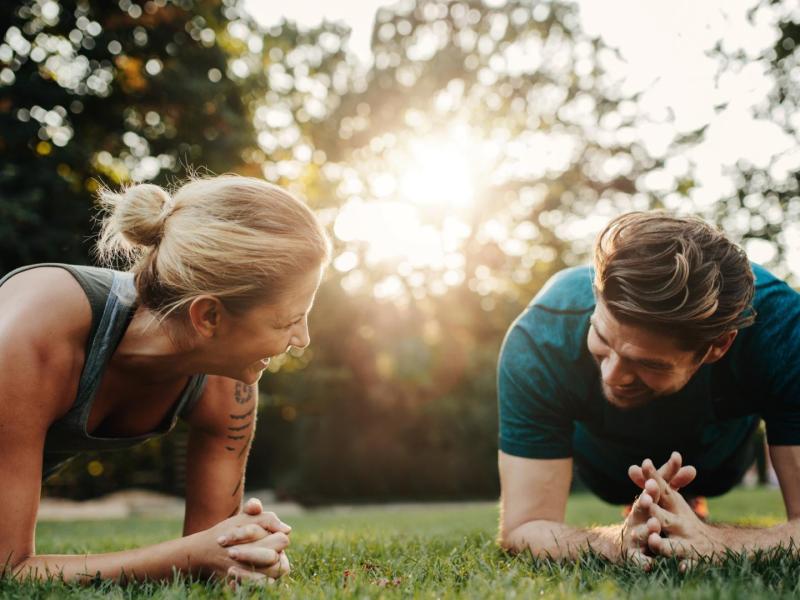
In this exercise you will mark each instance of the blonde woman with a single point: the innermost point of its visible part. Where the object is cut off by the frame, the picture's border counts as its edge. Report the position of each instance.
(222, 278)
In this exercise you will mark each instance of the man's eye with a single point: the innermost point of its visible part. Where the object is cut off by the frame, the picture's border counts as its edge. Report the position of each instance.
(598, 336)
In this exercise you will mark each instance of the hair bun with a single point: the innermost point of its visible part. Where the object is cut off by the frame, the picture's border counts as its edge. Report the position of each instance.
(134, 221)
(141, 213)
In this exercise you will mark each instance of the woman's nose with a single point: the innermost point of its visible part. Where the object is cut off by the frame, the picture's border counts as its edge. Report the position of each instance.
(301, 337)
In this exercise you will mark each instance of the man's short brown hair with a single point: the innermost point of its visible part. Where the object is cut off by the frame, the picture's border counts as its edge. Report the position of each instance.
(677, 275)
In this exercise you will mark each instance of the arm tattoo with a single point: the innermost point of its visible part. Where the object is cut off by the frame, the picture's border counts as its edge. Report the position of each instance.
(243, 395)
(243, 415)
(240, 427)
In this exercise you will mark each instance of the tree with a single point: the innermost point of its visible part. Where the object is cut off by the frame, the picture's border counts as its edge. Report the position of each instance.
(97, 93)
(494, 134)
(765, 206)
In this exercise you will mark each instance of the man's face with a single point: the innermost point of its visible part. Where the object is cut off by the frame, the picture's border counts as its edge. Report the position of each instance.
(636, 364)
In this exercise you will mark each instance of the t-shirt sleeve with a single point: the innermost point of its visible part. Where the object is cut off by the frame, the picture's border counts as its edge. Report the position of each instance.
(534, 422)
(774, 348)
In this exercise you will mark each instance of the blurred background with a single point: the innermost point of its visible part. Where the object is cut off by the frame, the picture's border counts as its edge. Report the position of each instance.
(459, 152)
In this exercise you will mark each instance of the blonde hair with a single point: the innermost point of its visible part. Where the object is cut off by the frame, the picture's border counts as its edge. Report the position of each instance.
(674, 274)
(240, 239)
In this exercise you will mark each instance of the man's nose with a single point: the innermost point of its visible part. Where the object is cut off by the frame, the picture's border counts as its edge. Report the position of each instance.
(614, 372)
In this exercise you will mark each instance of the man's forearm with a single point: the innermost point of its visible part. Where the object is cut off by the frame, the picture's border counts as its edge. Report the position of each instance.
(557, 540)
(752, 539)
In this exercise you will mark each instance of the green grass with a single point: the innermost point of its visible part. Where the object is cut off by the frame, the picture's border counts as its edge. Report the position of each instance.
(437, 552)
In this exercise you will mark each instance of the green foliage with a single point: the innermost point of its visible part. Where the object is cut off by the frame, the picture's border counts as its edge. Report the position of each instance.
(105, 93)
(157, 465)
(765, 204)
(398, 399)
(101, 93)
(395, 397)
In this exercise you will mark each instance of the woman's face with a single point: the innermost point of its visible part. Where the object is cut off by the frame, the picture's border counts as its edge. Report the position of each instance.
(247, 342)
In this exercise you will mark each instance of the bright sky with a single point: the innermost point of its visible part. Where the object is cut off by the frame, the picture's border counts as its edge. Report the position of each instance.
(664, 46)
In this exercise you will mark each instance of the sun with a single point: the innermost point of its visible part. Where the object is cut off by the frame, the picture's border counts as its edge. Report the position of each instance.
(410, 206)
(438, 172)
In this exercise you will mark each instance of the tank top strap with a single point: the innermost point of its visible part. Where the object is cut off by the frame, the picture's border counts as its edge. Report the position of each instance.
(116, 316)
(112, 295)
(117, 313)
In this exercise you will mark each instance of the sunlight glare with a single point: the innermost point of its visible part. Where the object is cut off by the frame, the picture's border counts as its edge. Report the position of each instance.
(439, 172)
(391, 231)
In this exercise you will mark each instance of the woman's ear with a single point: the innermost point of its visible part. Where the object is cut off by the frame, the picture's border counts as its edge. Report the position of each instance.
(205, 314)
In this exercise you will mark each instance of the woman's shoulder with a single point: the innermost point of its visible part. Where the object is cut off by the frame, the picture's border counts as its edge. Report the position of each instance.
(45, 304)
(45, 319)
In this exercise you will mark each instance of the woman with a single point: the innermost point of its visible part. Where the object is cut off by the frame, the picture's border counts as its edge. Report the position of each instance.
(223, 276)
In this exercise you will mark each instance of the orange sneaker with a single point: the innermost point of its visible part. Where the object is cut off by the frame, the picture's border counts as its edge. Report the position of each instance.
(699, 505)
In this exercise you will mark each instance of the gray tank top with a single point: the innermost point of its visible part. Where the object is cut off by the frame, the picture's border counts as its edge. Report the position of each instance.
(112, 296)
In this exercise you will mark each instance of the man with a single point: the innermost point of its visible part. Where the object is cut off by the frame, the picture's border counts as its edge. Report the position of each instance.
(671, 342)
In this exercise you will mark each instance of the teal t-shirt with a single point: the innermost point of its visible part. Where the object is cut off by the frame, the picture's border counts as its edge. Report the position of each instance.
(551, 402)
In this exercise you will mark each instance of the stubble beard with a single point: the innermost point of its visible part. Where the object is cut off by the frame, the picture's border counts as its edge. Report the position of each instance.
(628, 403)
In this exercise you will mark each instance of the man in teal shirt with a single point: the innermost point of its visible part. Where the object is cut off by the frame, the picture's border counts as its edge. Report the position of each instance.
(672, 341)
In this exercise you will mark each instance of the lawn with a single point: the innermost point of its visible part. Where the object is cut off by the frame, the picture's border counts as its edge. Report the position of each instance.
(437, 552)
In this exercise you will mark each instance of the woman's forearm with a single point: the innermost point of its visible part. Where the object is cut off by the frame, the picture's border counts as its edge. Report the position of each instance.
(157, 562)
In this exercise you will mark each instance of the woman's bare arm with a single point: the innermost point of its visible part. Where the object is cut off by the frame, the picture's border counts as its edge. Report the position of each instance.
(23, 425)
(222, 426)
(199, 554)
(34, 377)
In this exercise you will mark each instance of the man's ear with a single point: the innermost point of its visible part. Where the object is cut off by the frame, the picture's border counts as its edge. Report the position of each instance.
(205, 313)
(720, 346)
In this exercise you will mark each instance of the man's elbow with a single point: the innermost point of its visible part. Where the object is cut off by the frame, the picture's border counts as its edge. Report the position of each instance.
(13, 564)
(530, 536)
(506, 540)
(513, 539)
